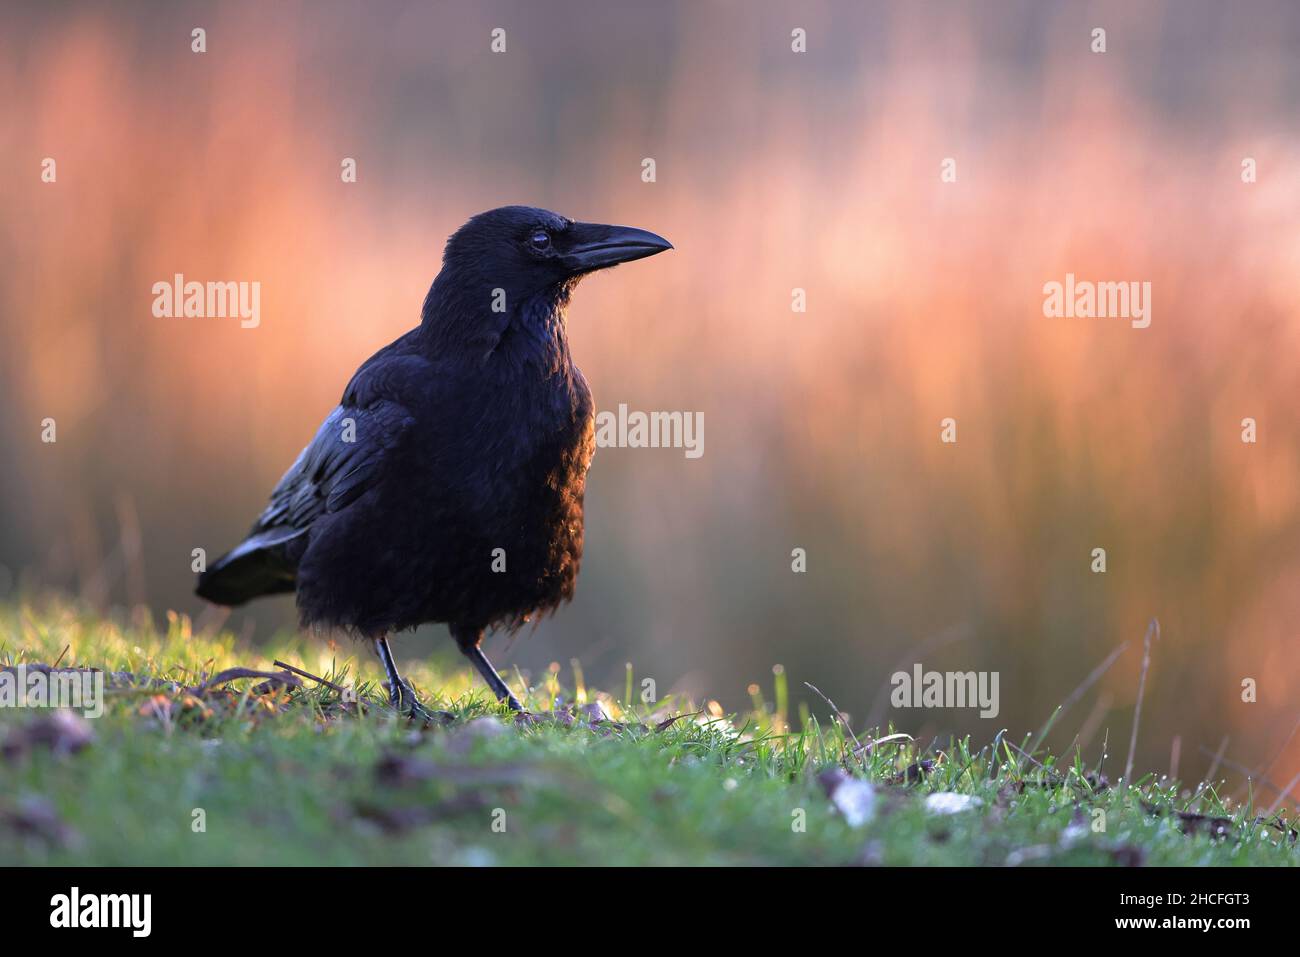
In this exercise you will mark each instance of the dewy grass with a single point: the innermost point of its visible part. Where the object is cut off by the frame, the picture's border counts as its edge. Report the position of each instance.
(258, 772)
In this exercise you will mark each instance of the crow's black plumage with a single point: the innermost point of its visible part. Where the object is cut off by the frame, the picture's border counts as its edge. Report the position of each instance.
(469, 434)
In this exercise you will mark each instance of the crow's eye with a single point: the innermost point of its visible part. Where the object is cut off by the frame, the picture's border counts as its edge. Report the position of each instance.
(540, 240)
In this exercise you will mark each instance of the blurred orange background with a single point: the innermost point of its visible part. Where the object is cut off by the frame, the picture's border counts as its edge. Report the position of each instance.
(775, 170)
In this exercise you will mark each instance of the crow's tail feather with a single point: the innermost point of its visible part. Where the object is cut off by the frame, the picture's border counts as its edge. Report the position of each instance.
(262, 564)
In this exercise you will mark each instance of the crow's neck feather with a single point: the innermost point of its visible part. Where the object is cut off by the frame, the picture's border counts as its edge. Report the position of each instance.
(457, 316)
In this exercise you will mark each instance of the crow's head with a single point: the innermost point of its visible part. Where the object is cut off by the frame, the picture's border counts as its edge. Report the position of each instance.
(517, 263)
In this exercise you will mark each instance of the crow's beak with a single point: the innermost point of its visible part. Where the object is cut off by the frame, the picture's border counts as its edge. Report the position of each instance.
(594, 246)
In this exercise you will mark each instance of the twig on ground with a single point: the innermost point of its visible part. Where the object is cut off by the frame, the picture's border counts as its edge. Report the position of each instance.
(1012, 744)
(234, 674)
(1152, 629)
(307, 674)
(839, 715)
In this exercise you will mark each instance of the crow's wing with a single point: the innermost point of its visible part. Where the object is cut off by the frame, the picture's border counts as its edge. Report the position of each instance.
(345, 458)
(340, 463)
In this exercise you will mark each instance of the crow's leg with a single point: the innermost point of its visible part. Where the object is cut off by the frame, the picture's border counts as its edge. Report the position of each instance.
(494, 681)
(400, 693)
(467, 640)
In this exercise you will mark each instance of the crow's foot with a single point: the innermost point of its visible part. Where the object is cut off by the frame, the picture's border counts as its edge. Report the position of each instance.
(404, 701)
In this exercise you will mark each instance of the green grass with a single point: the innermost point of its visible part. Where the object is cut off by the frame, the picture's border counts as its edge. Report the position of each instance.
(299, 776)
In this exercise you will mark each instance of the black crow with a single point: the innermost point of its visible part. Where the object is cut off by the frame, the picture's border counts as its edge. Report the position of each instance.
(447, 485)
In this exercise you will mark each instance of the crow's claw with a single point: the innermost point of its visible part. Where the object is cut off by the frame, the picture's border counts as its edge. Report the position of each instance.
(402, 697)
